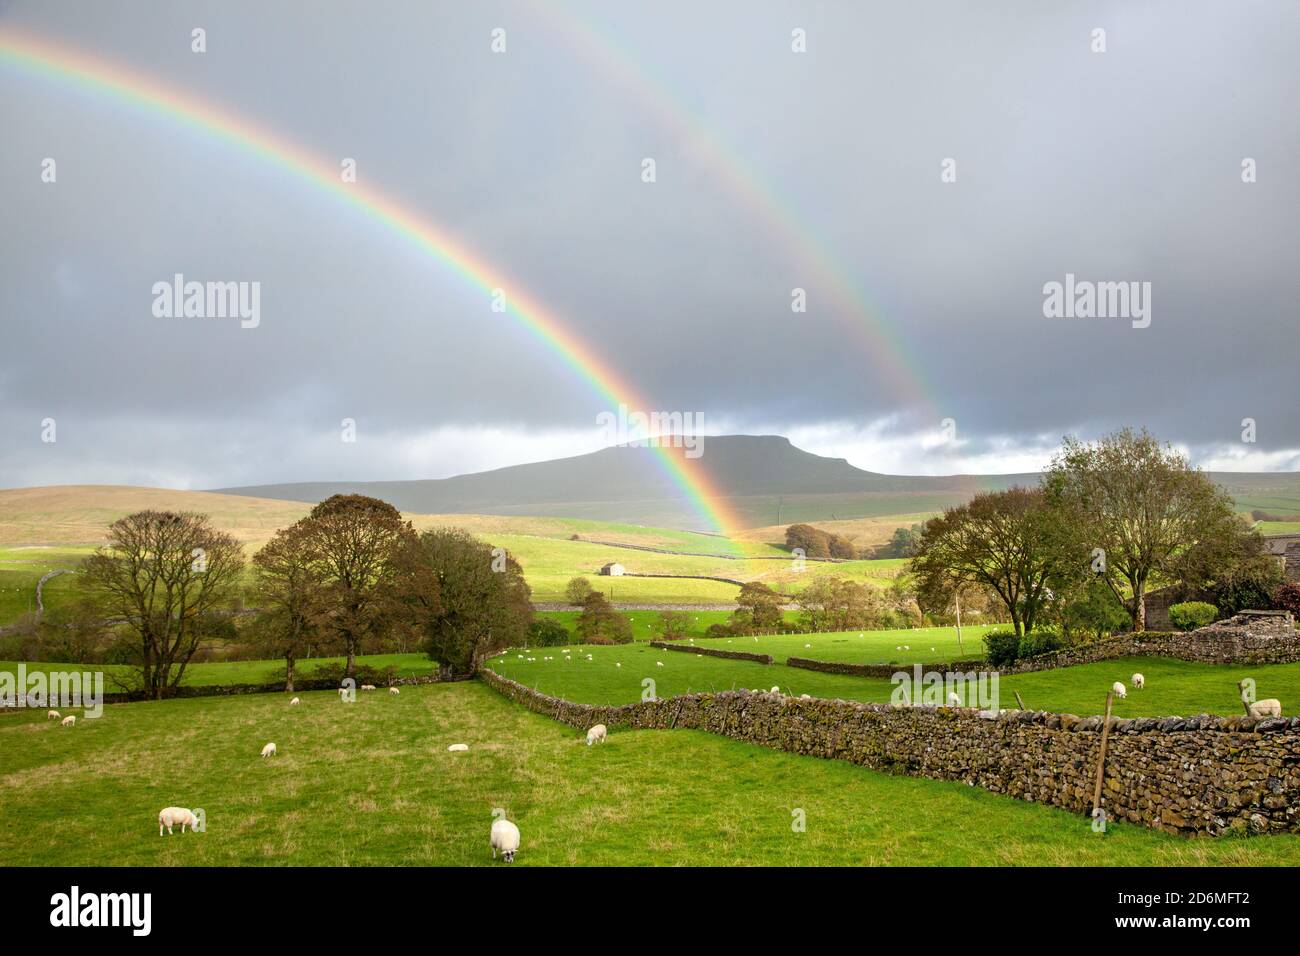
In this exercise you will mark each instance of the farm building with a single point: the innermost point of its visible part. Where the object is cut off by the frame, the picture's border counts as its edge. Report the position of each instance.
(613, 569)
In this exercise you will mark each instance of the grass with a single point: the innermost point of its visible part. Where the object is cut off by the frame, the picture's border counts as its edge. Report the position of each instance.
(372, 784)
(244, 672)
(1173, 687)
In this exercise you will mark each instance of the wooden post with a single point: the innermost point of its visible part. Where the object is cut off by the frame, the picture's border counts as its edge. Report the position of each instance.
(1101, 756)
(1019, 703)
(960, 649)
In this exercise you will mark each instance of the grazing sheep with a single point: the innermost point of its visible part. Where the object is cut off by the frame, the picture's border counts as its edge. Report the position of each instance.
(268, 750)
(775, 690)
(505, 837)
(393, 692)
(1270, 707)
(368, 687)
(1119, 690)
(169, 817)
(589, 657)
(52, 715)
(68, 721)
(805, 697)
(457, 748)
(596, 735)
(1138, 681)
(806, 646)
(659, 663)
(953, 699)
(295, 702)
(616, 663)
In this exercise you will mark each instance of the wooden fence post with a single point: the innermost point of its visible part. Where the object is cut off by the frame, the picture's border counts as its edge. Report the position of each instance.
(1101, 756)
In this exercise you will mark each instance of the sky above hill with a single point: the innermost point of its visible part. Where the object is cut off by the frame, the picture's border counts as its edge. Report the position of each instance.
(921, 172)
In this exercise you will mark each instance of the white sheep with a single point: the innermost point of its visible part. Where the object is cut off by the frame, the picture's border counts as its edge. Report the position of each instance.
(1269, 707)
(295, 702)
(1119, 690)
(953, 699)
(505, 837)
(457, 748)
(52, 715)
(775, 690)
(618, 663)
(393, 692)
(1138, 681)
(68, 721)
(169, 817)
(806, 646)
(368, 687)
(268, 750)
(659, 663)
(805, 697)
(596, 735)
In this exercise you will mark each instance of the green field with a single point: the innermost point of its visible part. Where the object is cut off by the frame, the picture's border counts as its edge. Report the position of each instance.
(371, 783)
(614, 676)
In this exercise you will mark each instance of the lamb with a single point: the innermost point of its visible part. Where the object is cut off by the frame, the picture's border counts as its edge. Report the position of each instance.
(1138, 681)
(169, 817)
(953, 699)
(295, 702)
(1270, 707)
(268, 750)
(505, 837)
(1119, 690)
(457, 748)
(393, 692)
(68, 721)
(52, 715)
(596, 735)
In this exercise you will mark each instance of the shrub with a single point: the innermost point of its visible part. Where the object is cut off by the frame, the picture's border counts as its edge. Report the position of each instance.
(1040, 642)
(671, 625)
(1003, 647)
(1192, 614)
(548, 632)
(1286, 597)
(335, 671)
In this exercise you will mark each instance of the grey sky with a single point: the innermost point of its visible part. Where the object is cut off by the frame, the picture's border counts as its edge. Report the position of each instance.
(1116, 166)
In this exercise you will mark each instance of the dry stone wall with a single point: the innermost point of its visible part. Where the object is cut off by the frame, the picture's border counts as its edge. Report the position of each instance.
(1189, 775)
(713, 652)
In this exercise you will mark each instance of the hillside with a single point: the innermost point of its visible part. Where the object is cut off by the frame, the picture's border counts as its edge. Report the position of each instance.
(765, 477)
(767, 481)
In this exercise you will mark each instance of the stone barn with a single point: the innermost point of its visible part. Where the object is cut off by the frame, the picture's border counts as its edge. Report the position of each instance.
(613, 569)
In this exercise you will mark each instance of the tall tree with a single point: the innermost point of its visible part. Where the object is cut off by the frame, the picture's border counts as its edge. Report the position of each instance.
(481, 604)
(353, 541)
(1140, 515)
(1007, 541)
(288, 589)
(165, 574)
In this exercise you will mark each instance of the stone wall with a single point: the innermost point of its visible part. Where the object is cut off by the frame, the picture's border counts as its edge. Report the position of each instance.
(879, 670)
(1195, 775)
(713, 652)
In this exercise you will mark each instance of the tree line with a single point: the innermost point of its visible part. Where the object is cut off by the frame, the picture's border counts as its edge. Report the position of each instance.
(1108, 522)
(348, 572)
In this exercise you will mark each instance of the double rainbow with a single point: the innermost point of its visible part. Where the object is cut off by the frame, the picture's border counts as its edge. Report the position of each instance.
(38, 57)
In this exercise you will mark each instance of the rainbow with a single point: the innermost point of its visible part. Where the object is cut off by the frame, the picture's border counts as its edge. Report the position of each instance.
(827, 276)
(37, 56)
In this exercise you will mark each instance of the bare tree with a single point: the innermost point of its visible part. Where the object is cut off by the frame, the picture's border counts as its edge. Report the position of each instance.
(288, 588)
(164, 575)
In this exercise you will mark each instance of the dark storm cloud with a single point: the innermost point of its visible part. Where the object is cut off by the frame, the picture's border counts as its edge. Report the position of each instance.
(1116, 166)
